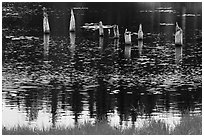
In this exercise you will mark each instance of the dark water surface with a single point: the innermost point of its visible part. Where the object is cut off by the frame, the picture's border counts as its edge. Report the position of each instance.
(66, 79)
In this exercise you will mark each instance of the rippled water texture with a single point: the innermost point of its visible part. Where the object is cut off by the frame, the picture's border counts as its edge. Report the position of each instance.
(66, 79)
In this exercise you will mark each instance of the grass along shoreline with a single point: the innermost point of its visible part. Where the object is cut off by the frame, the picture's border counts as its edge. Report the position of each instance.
(190, 125)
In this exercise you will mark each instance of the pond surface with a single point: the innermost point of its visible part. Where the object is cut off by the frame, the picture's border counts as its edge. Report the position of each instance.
(66, 79)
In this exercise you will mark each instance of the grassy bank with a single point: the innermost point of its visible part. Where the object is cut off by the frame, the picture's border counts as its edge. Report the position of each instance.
(188, 126)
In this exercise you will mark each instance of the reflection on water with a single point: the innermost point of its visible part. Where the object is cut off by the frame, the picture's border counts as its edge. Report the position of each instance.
(72, 47)
(101, 43)
(46, 40)
(91, 78)
(116, 44)
(72, 38)
(178, 55)
(140, 45)
(128, 51)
